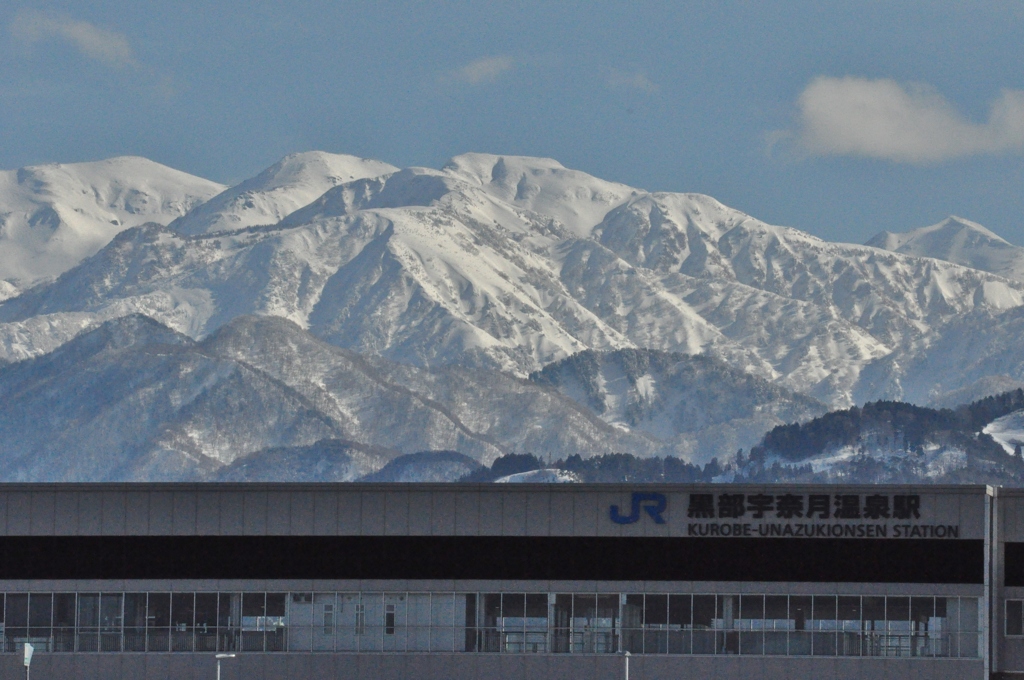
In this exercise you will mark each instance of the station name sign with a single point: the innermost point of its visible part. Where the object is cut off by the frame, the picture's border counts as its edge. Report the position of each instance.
(839, 515)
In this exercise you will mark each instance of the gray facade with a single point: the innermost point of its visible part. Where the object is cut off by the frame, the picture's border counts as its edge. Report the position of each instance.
(487, 581)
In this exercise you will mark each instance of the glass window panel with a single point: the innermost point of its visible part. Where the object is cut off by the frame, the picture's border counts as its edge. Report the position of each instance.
(511, 626)
(350, 624)
(135, 622)
(970, 645)
(276, 604)
(88, 610)
(158, 622)
(751, 609)
(229, 610)
(751, 624)
(969, 615)
(656, 624)
(325, 621)
(183, 607)
(135, 610)
(680, 610)
(254, 611)
(897, 613)
(536, 623)
(111, 618)
(938, 630)
(490, 614)
(777, 624)
(925, 627)
(823, 637)
(395, 621)
(159, 610)
(473, 641)
(16, 615)
(776, 608)
(417, 610)
(206, 610)
(111, 611)
(274, 623)
(88, 622)
(561, 622)
(64, 610)
(206, 622)
(537, 606)
(802, 615)
(370, 618)
(442, 609)
(40, 614)
(656, 610)
(824, 612)
(703, 624)
(849, 624)
(605, 623)
(1014, 617)
(873, 613)
(254, 604)
(513, 605)
(727, 642)
(632, 623)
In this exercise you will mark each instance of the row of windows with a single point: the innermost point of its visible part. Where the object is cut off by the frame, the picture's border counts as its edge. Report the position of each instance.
(588, 623)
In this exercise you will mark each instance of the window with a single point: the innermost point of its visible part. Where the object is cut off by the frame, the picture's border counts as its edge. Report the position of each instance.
(360, 619)
(1014, 618)
(748, 624)
(389, 619)
(328, 619)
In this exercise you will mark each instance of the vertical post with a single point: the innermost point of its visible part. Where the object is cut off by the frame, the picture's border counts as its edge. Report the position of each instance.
(990, 599)
(626, 655)
(28, 660)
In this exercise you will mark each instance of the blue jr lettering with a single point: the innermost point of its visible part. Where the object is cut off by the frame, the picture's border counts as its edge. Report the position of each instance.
(653, 504)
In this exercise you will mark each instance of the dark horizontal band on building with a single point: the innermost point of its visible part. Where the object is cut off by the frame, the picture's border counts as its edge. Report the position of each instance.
(492, 557)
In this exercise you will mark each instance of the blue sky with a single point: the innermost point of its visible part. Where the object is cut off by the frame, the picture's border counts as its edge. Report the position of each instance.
(841, 119)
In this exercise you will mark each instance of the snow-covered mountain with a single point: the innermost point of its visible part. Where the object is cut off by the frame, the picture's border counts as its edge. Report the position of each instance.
(291, 183)
(512, 263)
(54, 216)
(955, 239)
(135, 400)
(703, 406)
(391, 312)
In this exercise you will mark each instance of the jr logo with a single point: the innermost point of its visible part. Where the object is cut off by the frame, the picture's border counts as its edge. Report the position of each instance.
(652, 503)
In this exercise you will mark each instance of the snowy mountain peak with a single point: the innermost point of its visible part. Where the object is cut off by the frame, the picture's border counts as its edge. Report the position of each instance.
(577, 200)
(955, 239)
(53, 216)
(291, 183)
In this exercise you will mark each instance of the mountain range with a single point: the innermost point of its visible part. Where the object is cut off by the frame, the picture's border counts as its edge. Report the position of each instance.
(498, 304)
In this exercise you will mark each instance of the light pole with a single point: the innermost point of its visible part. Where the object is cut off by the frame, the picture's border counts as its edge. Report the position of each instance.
(219, 657)
(28, 660)
(627, 664)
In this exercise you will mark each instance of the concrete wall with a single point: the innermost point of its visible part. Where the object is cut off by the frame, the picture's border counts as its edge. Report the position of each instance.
(477, 667)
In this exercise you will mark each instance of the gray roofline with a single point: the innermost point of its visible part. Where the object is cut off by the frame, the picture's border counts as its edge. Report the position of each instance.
(490, 487)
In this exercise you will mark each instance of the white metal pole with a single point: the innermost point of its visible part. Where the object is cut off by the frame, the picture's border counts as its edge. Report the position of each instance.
(627, 665)
(218, 669)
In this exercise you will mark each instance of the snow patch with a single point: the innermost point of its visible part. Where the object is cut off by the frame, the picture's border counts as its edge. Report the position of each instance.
(547, 476)
(1008, 431)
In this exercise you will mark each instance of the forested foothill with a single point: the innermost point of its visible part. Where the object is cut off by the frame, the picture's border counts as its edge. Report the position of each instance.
(880, 442)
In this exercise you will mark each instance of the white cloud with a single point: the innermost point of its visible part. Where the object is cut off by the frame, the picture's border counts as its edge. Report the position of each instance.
(97, 43)
(902, 123)
(636, 81)
(484, 70)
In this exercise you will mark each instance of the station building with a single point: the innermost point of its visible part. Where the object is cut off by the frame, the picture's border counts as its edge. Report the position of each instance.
(511, 581)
